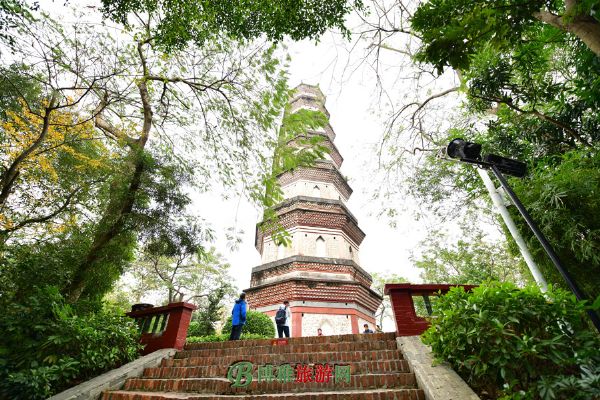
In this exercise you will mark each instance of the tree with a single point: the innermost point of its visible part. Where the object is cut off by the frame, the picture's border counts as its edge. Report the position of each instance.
(218, 82)
(52, 113)
(213, 310)
(469, 260)
(45, 179)
(522, 87)
(452, 31)
(379, 281)
(541, 84)
(560, 194)
(11, 11)
(190, 277)
(16, 87)
(200, 22)
(178, 268)
(207, 88)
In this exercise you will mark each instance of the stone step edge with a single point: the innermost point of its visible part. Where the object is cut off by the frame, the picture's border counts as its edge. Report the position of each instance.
(418, 394)
(404, 367)
(296, 340)
(220, 378)
(223, 386)
(247, 357)
(292, 348)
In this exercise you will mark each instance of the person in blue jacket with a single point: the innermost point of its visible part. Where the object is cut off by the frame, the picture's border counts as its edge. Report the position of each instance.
(238, 317)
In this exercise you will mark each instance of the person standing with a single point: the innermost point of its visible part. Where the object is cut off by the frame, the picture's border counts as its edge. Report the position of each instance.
(319, 332)
(367, 330)
(282, 319)
(238, 317)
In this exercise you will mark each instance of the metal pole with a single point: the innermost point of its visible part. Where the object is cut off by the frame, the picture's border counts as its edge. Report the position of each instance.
(545, 244)
(510, 224)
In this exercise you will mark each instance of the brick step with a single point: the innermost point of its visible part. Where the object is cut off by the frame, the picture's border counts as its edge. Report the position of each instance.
(223, 386)
(219, 371)
(380, 394)
(294, 340)
(284, 358)
(291, 348)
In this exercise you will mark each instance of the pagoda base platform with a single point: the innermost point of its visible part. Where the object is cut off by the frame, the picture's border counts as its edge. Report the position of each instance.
(332, 318)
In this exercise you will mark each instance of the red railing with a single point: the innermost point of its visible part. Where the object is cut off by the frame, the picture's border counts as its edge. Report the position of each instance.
(163, 327)
(408, 323)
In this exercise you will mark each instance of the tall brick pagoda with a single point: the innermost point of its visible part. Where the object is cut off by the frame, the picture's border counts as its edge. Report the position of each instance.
(319, 273)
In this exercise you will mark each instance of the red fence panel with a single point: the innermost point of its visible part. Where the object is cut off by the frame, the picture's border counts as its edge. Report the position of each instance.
(408, 323)
(163, 327)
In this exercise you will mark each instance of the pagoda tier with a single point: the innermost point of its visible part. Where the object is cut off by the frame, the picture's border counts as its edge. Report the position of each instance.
(315, 279)
(334, 154)
(319, 271)
(323, 173)
(304, 214)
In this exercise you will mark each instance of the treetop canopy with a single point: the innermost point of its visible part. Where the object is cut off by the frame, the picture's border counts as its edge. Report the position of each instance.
(183, 21)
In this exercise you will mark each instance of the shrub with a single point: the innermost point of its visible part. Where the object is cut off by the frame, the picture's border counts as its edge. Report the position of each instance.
(256, 323)
(45, 348)
(194, 329)
(515, 342)
(223, 338)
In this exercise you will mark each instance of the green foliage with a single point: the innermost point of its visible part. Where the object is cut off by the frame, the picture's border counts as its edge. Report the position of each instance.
(194, 330)
(515, 342)
(454, 30)
(561, 195)
(46, 348)
(257, 323)
(295, 147)
(16, 86)
(192, 21)
(10, 12)
(472, 259)
(531, 93)
(224, 337)
(385, 308)
(211, 310)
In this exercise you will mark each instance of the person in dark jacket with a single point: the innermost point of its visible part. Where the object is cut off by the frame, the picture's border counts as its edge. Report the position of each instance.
(238, 317)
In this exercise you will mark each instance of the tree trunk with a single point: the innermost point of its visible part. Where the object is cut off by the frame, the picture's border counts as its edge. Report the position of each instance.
(585, 27)
(111, 223)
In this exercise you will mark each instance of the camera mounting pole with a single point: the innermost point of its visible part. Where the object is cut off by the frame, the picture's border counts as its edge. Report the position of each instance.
(471, 153)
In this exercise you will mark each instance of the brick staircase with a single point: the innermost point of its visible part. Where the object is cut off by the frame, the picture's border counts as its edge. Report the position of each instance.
(377, 371)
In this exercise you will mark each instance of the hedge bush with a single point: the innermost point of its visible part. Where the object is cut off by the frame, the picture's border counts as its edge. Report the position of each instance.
(194, 329)
(45, 348)
(256, 323)
(223, 338)
(516, 343)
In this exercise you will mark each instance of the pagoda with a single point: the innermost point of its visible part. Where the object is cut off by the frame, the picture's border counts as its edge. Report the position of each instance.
(319, 272)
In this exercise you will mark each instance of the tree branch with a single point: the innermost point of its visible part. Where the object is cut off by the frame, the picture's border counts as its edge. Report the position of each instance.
(43, 218)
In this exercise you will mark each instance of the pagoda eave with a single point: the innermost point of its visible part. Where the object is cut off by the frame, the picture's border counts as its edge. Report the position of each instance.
(322, 171)
(300, 259)
(315, 290)
(308, 211)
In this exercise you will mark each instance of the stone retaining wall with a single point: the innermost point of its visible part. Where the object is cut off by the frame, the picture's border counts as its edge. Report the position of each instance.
(92, 389)
(439, 382)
